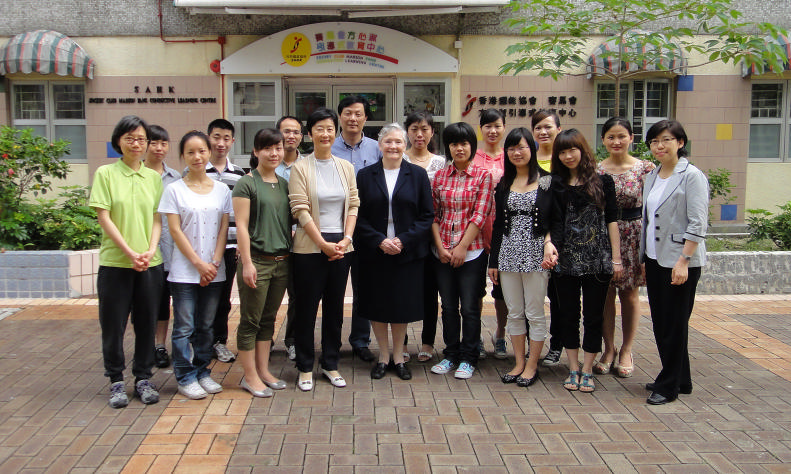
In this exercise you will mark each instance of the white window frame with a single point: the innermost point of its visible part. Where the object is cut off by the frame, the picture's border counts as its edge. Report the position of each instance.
(784, 121)
(238, 155)
(443, 119)
(645, 120)
(49, 122)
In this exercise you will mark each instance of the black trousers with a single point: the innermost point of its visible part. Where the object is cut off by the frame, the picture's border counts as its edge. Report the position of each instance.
(671, 308)
(290, 319)
(555, 343)
(317, 279)
(121, 291)
(594, 292)
(224, 307)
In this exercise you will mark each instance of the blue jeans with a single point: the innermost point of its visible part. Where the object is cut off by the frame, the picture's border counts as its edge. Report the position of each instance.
(460, 290)
(194, 307)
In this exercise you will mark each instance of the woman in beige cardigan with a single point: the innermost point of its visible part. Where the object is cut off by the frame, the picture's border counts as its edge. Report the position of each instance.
(323, 195)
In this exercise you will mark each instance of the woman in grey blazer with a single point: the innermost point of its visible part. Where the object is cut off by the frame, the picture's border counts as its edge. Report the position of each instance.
(673, 249)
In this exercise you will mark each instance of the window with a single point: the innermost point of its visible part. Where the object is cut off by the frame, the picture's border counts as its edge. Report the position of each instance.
(55, 110)
(255, 104)
(426, 94)
(643, 102)
(769, 122)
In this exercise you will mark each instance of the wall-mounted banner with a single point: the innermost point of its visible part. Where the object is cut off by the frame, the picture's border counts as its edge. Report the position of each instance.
(343, 47)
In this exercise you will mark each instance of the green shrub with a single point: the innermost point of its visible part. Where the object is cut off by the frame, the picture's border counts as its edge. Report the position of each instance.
(764, 225)
(720, 185)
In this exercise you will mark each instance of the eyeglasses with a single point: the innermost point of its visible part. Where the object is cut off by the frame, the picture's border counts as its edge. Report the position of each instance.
(520, 149)
(291, 132)
(133, 140)
(319, 130)
(664, 141)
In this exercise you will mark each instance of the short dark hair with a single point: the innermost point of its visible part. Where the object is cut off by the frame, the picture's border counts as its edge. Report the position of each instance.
(222, 124)
(157, 133)
(675, 128)
(264, 138)
(490, 116)
(191, 134)
(422, 116)
(288, 117)
(124, 126)
(320, 114)
(457, 133)
(354, 99)
(541, 114)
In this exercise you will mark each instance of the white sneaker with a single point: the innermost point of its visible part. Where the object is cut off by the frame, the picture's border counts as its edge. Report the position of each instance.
(292, 352)
(464, 371)
(193, 391)
(210, 385)
(223, 353)
(443, 367)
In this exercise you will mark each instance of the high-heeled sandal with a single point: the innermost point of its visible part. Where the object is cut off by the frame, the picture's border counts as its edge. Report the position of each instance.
(603, 368)
(625, 371)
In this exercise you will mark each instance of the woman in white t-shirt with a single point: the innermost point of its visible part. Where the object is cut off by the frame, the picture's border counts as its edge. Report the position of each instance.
(197, 208)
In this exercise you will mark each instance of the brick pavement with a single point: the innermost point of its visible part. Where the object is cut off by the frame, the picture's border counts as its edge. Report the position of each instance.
(54, 415)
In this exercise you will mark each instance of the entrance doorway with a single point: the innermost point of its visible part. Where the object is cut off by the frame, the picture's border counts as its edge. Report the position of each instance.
(306, 95)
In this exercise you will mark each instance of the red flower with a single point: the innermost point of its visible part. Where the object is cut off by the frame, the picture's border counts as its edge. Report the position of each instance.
(5, 156)
(10, 172)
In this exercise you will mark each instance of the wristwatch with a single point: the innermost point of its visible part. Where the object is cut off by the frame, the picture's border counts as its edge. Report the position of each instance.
(687, 257)
(349, 237)
(216, 263)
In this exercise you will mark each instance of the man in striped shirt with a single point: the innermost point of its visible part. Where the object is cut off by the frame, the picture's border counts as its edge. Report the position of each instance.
(220, 168)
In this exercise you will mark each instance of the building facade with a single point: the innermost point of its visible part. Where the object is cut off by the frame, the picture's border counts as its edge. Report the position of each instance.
(181, 64)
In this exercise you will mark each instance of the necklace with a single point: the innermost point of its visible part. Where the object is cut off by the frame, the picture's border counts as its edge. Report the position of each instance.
(416, 160)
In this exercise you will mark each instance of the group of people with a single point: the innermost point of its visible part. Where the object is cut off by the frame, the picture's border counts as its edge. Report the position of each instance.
(409, 225)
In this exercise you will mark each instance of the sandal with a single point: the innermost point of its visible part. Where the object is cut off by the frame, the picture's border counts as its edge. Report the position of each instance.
(625, 371)
(572, 382)
(424, 356)
(586, 384)
(603, 368)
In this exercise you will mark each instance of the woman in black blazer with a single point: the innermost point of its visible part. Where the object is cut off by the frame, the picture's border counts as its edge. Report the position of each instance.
(392, 236)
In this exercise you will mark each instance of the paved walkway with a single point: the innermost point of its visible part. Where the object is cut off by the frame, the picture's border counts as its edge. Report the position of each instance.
(54, 415)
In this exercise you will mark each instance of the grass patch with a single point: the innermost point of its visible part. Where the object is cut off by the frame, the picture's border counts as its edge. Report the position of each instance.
(739, 244)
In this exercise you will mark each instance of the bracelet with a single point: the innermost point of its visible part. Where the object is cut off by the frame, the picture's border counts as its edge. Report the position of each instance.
(348, 237)
(216, 263)
(616, 263)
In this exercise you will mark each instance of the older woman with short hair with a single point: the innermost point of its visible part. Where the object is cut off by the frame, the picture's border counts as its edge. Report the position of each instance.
(392, 233)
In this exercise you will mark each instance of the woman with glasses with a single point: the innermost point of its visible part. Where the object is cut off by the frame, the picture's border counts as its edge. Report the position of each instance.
(520, 244)
(673, 249)
(125, 195)
(628, 173)
(323, 195)
(198, 210)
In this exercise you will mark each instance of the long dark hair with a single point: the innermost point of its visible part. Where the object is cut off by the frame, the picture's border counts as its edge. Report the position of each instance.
(513, 139)
(587, 177)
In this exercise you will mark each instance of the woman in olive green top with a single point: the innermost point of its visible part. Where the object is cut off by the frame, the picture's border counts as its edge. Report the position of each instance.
(125, 195)
(263, 234)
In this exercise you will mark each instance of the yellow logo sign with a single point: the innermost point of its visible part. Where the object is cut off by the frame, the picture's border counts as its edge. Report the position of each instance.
(296, 49)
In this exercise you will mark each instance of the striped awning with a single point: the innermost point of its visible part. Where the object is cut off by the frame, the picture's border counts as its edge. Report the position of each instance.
(45, 52)
(760, 67)
(605, 58)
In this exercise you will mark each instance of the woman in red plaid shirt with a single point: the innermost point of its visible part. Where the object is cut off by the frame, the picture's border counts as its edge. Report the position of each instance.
(462, 195)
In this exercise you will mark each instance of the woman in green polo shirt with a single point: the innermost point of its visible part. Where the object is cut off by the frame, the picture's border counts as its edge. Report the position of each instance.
(125, 195)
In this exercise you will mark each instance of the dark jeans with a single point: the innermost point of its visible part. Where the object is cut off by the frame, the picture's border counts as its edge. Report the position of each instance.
(360, 335)
(121, 291)
(671, 308)
(594, 292)
(460, 289)
(194, 307)
(317, 279)
(224, 306)
(290, 319)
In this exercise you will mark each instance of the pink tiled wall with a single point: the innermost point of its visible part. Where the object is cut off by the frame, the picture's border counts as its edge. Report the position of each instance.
(83, 267)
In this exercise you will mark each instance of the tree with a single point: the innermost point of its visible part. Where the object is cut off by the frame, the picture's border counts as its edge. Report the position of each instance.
(644, 35)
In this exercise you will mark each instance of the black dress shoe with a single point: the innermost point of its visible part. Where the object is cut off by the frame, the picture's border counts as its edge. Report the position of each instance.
(523, 382)
(364, 353)
(657, 398)
(379, 370)
(684, 390)
(508, 378)
(403, 371)
(161, 358)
